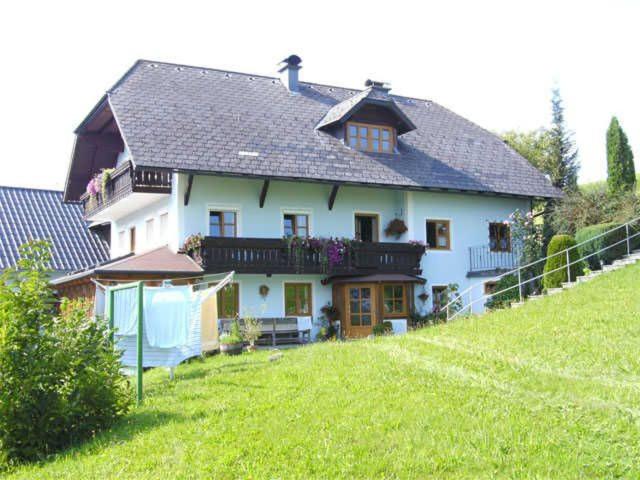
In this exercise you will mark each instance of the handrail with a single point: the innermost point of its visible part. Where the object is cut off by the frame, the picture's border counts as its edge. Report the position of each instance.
(519, 269)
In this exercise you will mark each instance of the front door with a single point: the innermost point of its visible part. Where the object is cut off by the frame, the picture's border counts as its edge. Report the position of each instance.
(361, 310)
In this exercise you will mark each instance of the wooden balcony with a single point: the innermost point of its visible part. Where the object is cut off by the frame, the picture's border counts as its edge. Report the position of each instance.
(273, 256)
(124, 181)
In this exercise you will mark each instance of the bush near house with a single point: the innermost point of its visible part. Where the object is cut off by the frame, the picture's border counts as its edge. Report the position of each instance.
(60, 377)
(554, 274)
(592, 246)
(504, 299)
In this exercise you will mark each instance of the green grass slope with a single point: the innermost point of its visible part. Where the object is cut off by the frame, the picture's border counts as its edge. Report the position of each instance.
(550, 390)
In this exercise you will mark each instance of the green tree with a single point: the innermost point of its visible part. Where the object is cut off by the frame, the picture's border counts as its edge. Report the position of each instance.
(621, 173)
(564, 154)
(534, 146)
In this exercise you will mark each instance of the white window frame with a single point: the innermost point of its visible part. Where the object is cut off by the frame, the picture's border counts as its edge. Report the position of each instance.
(221, 207)
(297, 211)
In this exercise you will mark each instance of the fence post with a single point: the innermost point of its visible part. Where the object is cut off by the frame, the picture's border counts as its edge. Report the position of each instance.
(139, 362)
(568, 267)
(447, 311)
(520, 283)
(470, 301)
(628, 240)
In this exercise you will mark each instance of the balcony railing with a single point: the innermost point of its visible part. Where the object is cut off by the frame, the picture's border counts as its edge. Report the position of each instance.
(273, 255)
(482, 259)
(123, 181)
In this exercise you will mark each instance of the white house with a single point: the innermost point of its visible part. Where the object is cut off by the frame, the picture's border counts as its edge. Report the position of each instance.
(268, 169)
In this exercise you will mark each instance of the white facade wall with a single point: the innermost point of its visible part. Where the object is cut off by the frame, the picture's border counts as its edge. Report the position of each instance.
(139, 221)
(469, 215)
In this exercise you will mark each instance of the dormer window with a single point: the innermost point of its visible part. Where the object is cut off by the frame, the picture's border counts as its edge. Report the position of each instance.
(370, 138)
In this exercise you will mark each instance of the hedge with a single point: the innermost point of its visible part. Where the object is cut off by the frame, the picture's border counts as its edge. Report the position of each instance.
(591, 247)
(554, 275)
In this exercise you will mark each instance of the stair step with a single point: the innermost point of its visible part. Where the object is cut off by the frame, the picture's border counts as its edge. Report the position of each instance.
(568, 284)
(553, 291)
(517, 304)
(535, 297)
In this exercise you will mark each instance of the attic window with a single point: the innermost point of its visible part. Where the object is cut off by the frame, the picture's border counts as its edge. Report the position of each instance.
(370, 138)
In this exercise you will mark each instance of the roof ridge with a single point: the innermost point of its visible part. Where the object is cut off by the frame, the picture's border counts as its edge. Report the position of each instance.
(257, 75)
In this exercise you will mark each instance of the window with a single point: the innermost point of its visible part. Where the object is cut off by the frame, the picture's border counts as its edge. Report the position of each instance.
(394, 300)
(229, 301)
(366, 227)
(360, 306)
(490, 288)
(296, 225)
(370, 138)
(222, 224)
(132, 239)
(499, 237)
(439, 296)
(297, 299)
(121, 239)
(438, 234)
(164, 227)
(150, 227)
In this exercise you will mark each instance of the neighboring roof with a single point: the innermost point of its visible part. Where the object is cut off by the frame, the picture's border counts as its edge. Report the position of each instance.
(160, 260)
(211, 121)
(32, 214)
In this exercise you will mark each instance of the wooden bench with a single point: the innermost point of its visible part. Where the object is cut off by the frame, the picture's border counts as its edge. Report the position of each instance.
(275, 331)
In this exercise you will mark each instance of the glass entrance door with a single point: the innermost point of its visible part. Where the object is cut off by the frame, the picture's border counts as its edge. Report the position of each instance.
(361, 310)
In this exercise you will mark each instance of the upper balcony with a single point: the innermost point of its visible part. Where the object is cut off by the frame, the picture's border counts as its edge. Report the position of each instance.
(485, 261)
(275, 256)
(140, 187)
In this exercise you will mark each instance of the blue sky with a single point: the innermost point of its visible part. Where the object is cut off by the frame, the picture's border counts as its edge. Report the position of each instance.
(494, 62)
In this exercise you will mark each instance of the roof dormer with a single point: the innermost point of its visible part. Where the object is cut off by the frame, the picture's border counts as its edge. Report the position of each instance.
(371, 119)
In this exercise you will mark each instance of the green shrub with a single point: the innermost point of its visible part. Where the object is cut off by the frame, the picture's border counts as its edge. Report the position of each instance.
(60, 377)
(383, 328)
(554, 274)
(504, 299)
(591, 247)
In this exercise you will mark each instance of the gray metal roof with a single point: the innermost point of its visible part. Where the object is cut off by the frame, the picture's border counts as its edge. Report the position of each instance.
(27, 214)
(212, 121)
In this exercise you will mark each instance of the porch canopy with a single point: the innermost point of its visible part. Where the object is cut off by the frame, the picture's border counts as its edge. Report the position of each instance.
(376, 278)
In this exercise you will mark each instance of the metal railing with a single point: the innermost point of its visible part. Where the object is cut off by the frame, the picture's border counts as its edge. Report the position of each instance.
(518, 272)
(483, 258)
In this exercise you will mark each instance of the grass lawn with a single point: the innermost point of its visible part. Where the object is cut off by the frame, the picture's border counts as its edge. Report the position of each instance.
(551, 390)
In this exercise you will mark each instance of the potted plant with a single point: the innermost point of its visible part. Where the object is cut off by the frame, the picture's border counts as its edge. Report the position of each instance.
(384, 328)
(251, 331)
(231, 342)
(395, 228)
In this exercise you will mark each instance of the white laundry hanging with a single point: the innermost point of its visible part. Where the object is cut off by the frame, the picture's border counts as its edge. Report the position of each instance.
(167, 316)
(125, 311)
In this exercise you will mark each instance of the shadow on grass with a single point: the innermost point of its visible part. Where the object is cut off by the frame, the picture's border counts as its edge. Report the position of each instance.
(124, 430)
(214, 370)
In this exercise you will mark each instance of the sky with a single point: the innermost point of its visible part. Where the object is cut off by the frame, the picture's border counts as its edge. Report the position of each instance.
(493, 62)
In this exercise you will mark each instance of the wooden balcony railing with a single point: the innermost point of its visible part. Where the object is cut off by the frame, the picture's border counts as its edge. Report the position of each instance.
(123, 181)
(273, 255)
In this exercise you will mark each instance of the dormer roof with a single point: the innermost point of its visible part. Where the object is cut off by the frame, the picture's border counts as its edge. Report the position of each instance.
(375, 94)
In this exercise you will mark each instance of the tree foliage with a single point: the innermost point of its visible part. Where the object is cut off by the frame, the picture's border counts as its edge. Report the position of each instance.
(621, 173)
(564, 154)
(60, 377)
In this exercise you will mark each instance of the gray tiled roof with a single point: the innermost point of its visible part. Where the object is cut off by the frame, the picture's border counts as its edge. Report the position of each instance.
(27, 213)
(197, 119)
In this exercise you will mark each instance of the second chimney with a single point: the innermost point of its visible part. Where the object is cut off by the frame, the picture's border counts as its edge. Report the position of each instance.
(288, 70)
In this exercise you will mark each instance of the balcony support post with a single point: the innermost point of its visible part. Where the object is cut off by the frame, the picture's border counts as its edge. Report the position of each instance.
(332, 195)
(263, 193)
(187, 194)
